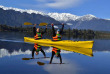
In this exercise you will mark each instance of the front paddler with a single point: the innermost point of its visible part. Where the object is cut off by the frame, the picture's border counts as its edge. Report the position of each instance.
(56, 37)
(37, 36)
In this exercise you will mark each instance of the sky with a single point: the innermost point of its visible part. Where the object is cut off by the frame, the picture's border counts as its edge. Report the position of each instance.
(98, 8)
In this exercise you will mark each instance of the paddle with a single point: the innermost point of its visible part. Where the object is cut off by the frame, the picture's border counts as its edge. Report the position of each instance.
(35, 58)
(41, 24)
(28, 23)
(42, 63)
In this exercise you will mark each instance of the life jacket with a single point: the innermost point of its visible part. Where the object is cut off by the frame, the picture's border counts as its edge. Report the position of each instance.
(38, 36)
(57, 37)
(37, 47)
(56, 50)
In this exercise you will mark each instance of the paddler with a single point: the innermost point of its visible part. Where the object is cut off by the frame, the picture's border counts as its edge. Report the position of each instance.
(56, 37)
(37, 36)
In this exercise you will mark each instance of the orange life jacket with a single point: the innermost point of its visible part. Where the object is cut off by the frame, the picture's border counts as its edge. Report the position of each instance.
(38, 36)
(57, 37)
(55, 50)
(37, 47)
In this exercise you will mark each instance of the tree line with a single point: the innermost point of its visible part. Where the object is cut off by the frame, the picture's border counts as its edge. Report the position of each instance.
(75, 33)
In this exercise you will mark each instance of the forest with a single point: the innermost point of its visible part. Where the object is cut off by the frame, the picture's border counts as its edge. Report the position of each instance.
(75, 33)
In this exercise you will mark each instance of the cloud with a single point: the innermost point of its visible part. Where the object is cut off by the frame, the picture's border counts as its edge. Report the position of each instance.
(5, 52)
(68, 68)
(59, 4)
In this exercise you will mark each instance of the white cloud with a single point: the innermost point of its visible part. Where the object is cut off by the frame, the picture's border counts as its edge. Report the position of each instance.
(68, 68)
(5, 52)
(59, 4)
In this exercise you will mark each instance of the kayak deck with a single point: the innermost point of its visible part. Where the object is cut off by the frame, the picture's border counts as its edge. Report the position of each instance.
(49, 42)
(83, 47)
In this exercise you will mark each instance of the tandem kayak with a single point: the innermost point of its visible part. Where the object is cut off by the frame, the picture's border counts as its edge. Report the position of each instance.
(83, 47)
(68, 43)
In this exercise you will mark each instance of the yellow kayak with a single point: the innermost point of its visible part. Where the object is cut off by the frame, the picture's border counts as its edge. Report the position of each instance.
(70, 43)
(84, 51)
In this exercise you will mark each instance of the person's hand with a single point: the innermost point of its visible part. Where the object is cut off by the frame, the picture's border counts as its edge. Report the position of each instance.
(35, 25)
(56, 55)
(52, 24)
(46, 26)
(32, 57)
(62, 23)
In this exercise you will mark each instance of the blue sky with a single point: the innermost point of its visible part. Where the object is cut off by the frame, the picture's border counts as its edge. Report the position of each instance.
(99, 8)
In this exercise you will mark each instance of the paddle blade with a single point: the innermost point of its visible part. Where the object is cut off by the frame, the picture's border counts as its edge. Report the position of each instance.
(43, 24)
(28, 23)
(40, 63)
(25, 58)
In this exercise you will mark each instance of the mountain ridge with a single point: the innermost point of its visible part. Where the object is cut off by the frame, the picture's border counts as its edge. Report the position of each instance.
(52, 15)
(15, 16)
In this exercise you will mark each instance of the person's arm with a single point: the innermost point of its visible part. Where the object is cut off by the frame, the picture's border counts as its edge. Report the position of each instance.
(53, 30)
(43, 53)
(62, 28)
(53, 53)
(34, 29)
(44, 30)
(60, 59)
(33, 52)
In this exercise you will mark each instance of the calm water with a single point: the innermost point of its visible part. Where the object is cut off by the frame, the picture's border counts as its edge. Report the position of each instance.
(13, 49)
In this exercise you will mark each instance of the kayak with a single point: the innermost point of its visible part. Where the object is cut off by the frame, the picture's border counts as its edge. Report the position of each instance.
(84, 51)
(83, 47)
(70, 43)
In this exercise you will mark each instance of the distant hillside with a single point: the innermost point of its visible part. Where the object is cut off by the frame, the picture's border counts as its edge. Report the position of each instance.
(82, 22)
(16, 17)
(12, 18)
(94, 24)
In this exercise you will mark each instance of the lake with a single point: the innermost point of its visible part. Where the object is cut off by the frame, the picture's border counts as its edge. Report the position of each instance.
(13, 49)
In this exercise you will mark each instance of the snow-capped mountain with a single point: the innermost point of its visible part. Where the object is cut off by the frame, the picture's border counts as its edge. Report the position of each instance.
(65, 17)
(14, 16)
(82, 22)
(87, 17)
(22, 10)
(5, 52)
(107, 19)
(62, 17)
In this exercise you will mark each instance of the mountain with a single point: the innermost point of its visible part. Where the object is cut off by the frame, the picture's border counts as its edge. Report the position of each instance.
(65, 17)
(82, 22)
(14, 16)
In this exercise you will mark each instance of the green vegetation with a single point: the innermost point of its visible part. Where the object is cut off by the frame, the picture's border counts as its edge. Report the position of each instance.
(75, 33)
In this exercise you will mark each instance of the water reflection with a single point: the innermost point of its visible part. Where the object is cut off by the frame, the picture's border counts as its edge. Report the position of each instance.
(11, 54)
(35, 58)
(7, 52)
